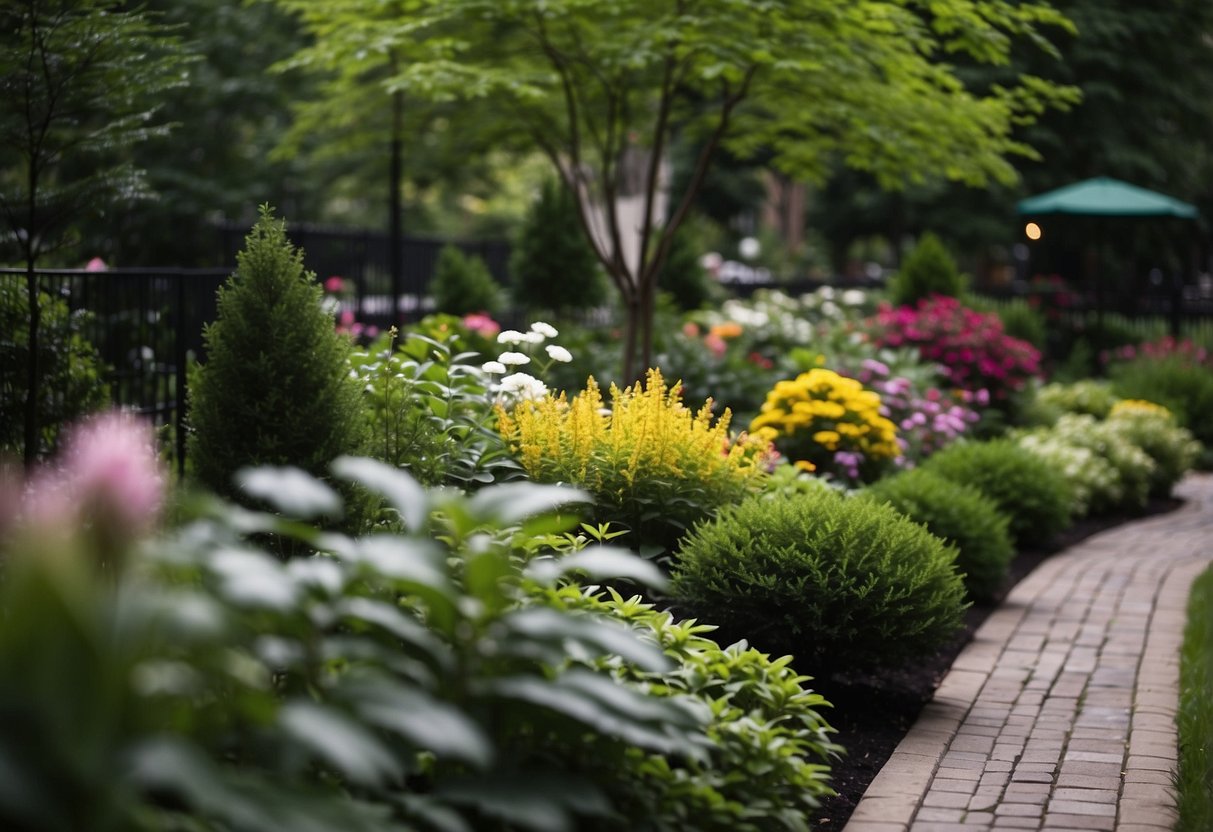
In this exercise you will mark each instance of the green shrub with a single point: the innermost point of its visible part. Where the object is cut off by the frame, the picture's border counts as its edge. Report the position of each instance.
(1052, 401)
(1094, 483)
(927, 270)
(429, 411)
(962, 517)
(552, 266)
(1134, 467)
(462, 284)
(275, 388)
(1019, 320)
(1036, 498)
(1185, 388)
(840, 583)
(1153, 428)
(70, 383)
(764, 721)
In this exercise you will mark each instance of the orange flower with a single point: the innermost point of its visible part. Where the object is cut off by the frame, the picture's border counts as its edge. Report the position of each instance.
(728, 329)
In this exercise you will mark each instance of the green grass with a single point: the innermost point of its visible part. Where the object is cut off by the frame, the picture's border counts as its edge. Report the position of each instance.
(1194, 782)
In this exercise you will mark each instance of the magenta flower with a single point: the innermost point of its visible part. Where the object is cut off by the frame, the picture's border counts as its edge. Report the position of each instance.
(334, 285)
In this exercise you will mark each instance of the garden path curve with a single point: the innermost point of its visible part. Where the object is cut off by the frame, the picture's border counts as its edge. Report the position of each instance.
(1060, 714)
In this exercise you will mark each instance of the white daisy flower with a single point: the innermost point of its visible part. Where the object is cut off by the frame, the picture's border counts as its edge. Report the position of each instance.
(544, 329)
(493, 367)
(510, 336)
(533, 337)
(523, 386)
(560, 354)
(514, 358)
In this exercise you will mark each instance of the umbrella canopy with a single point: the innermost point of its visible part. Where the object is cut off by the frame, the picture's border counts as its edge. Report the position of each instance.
(1104, 197)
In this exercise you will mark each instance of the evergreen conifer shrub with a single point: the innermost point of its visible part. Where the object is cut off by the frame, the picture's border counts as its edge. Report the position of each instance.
(927, 270)
(552, 266)
(275, 388)
(1027, 489)
(462, 284)
(958, 515)
(837, 582)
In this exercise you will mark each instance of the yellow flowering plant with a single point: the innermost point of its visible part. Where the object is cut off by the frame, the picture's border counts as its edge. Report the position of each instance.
(830, 424)
(653, 465)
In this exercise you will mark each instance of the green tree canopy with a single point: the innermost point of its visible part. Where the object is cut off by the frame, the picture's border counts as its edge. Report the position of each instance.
(601, 88)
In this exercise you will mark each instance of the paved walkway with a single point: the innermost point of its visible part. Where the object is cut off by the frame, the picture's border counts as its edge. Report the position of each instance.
(1060, 714)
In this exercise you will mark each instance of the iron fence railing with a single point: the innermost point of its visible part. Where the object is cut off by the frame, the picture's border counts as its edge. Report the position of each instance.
(146, 325)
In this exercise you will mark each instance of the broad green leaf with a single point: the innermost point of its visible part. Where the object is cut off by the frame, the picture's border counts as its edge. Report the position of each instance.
(340, 741)
(291, 491)
(513, 502)
(600, 563)
(400, 489)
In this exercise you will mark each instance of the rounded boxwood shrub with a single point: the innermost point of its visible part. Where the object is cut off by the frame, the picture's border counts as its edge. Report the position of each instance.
(1182, 386)
(840, 583)
(928, 270)
(462, 284)
(1035, 497)
(965, 518)
(1153, 428)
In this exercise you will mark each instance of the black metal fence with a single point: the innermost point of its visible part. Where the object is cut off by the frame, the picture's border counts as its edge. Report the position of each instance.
(363, 258)
(146, 325)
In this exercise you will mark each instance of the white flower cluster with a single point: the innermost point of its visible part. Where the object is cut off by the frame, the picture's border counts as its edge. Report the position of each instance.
(521, 386)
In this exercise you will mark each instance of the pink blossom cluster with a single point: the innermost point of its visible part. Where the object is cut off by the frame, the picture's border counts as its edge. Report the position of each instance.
(971, 346)
(336, 288)
(927, 420)
(107, 479)
(1167, 347)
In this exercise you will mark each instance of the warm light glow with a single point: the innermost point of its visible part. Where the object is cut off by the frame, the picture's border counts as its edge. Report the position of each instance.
(1032, 230)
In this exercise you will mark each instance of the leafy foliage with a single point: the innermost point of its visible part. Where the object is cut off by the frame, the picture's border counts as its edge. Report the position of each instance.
(928, 270)
(603, 89)
(681, 275)
(1134, 468)
(1182, 386)
(71, 370)
(275, 388)
(462, 284)
(430, 411)
(960, 516)
(1194, 720)
(1091, 397)
(764, 722)
(1094, 484)
(653, 466)
(1033, 495)
(840, 583)
(396, 681)
(1153, 428)
(552, 265)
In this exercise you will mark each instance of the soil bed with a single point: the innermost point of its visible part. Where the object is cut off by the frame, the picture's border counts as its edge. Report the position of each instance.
(873, 712)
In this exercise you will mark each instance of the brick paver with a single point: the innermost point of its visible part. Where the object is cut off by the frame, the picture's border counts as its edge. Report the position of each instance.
(1060, 715)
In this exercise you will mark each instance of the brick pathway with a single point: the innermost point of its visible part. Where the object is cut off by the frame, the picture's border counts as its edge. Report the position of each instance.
(1059, 715)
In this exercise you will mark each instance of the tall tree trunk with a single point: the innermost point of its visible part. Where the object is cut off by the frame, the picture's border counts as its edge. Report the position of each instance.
(30, 452)
(634, 312)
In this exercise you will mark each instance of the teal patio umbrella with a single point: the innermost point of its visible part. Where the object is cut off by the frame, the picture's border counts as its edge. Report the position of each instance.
(1104, 197)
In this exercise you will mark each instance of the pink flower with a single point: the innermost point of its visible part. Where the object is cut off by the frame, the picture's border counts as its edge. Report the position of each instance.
(95, 265)
(346, 318)
(334, 285)
(109, 476)
(715, 344)
(482, 324)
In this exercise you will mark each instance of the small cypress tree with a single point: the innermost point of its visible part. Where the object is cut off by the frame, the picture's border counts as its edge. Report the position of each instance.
(928, 270)
(552, 266)
(462, 284)
(275, 389)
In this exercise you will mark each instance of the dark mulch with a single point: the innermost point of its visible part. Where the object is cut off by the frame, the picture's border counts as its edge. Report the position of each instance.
(873, 712)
